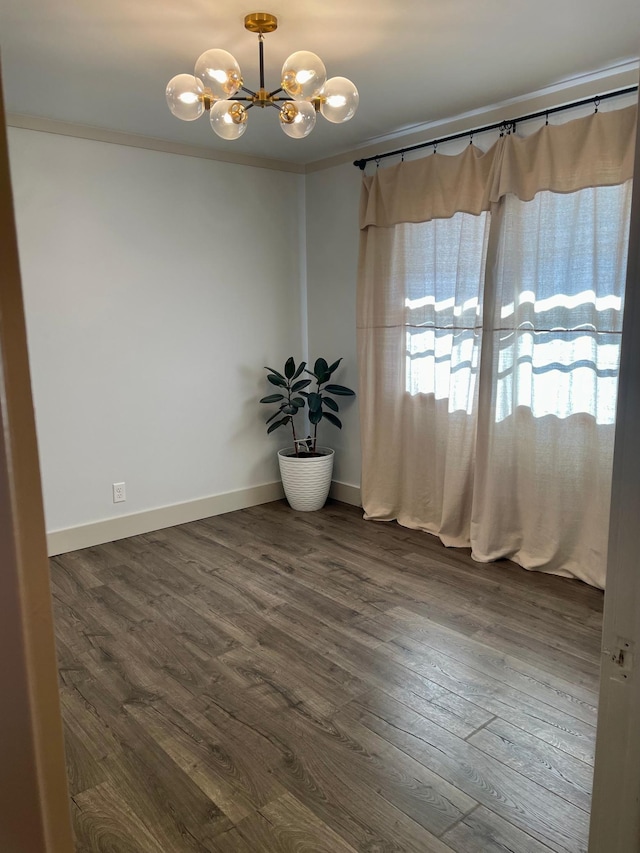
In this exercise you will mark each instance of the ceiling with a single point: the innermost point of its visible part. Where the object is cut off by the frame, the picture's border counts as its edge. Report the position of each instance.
(413, 61)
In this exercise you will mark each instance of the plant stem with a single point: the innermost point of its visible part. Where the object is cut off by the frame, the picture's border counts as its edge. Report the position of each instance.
(295, 441)
(293, 426)
(315, 426)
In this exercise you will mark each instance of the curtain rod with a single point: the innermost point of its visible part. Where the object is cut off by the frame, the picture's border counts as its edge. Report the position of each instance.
(507, 126)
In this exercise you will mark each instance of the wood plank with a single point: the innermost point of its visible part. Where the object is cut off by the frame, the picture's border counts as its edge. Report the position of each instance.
(270, 550)
(363, 817)
(321, 778)
(103, 820)
(342, 648)
(483, 831)
(545, 655)
(282, 658)
(344, 530)
(542, 684)
(454, 713)
(286, 826)
(273, 680)
(220, 766)
(517, 799)
(566, 776)
(97, 739)
(558, 728)
(82, 772)
(232, 842)
(165, 799)
(73, 573)
(360, 757)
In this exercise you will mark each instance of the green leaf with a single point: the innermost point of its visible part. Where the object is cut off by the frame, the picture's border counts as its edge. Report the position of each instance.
(298, 386)
(340, 390)
(320, 366)
(315, 416)
(277, 424)
(331, 404)
(289, 367)
(277, 372)
(301, 367)
(333, 367)
(273, 398)
(289, 409)
(277, 380)
(332, 419)
(315, 402)
(298, 401)
(274, 415)
(319, 377)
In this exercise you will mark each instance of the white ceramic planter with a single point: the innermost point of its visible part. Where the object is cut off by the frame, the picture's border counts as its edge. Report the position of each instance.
(306, 480)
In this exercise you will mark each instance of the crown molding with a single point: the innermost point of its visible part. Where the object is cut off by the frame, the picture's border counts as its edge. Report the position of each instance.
(563, 91)
(150, 143)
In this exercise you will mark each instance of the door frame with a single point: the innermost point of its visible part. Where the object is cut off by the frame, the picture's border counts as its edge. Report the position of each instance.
(615, 807)
(34, 801)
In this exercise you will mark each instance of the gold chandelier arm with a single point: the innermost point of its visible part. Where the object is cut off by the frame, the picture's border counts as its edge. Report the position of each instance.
(276, 92)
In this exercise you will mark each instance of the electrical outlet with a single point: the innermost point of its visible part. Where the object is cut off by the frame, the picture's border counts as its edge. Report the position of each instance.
(119, 492)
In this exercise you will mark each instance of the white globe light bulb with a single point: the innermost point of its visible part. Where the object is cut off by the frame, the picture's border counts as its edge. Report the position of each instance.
(228, 119)
(338, 100)
(219, 72)
(303, 75)
(185, 97)
(297, 118)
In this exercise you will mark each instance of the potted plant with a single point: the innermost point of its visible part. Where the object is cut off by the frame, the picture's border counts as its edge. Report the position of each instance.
(305, 468)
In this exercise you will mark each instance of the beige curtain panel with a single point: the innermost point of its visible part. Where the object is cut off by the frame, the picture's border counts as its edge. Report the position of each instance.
(594, 151)
(490, 301)
(434, 187)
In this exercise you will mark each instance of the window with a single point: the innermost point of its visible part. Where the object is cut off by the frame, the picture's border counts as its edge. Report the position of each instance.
(559, 300)
(558, 305)
(443, 306)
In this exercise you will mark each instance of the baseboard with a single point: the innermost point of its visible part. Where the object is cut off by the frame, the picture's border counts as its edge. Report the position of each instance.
(110, 529)
(346, 493)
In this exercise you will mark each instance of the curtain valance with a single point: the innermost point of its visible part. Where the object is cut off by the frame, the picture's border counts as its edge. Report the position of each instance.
(594, 151)
(433, 187)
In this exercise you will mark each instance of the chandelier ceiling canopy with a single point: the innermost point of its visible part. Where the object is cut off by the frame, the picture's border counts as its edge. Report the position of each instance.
(303, 91)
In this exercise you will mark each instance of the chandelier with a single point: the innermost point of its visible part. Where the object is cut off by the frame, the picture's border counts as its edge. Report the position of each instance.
(217, 79)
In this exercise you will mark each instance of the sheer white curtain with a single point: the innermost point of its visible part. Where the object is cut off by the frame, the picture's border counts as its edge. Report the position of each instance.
(424, 357)
(550, 366)
(489, 339)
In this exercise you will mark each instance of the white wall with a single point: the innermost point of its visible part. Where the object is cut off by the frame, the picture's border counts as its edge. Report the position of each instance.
(333, 197)
(156, 288)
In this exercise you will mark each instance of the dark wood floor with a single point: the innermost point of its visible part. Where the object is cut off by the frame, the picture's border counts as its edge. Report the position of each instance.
(270, 680)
